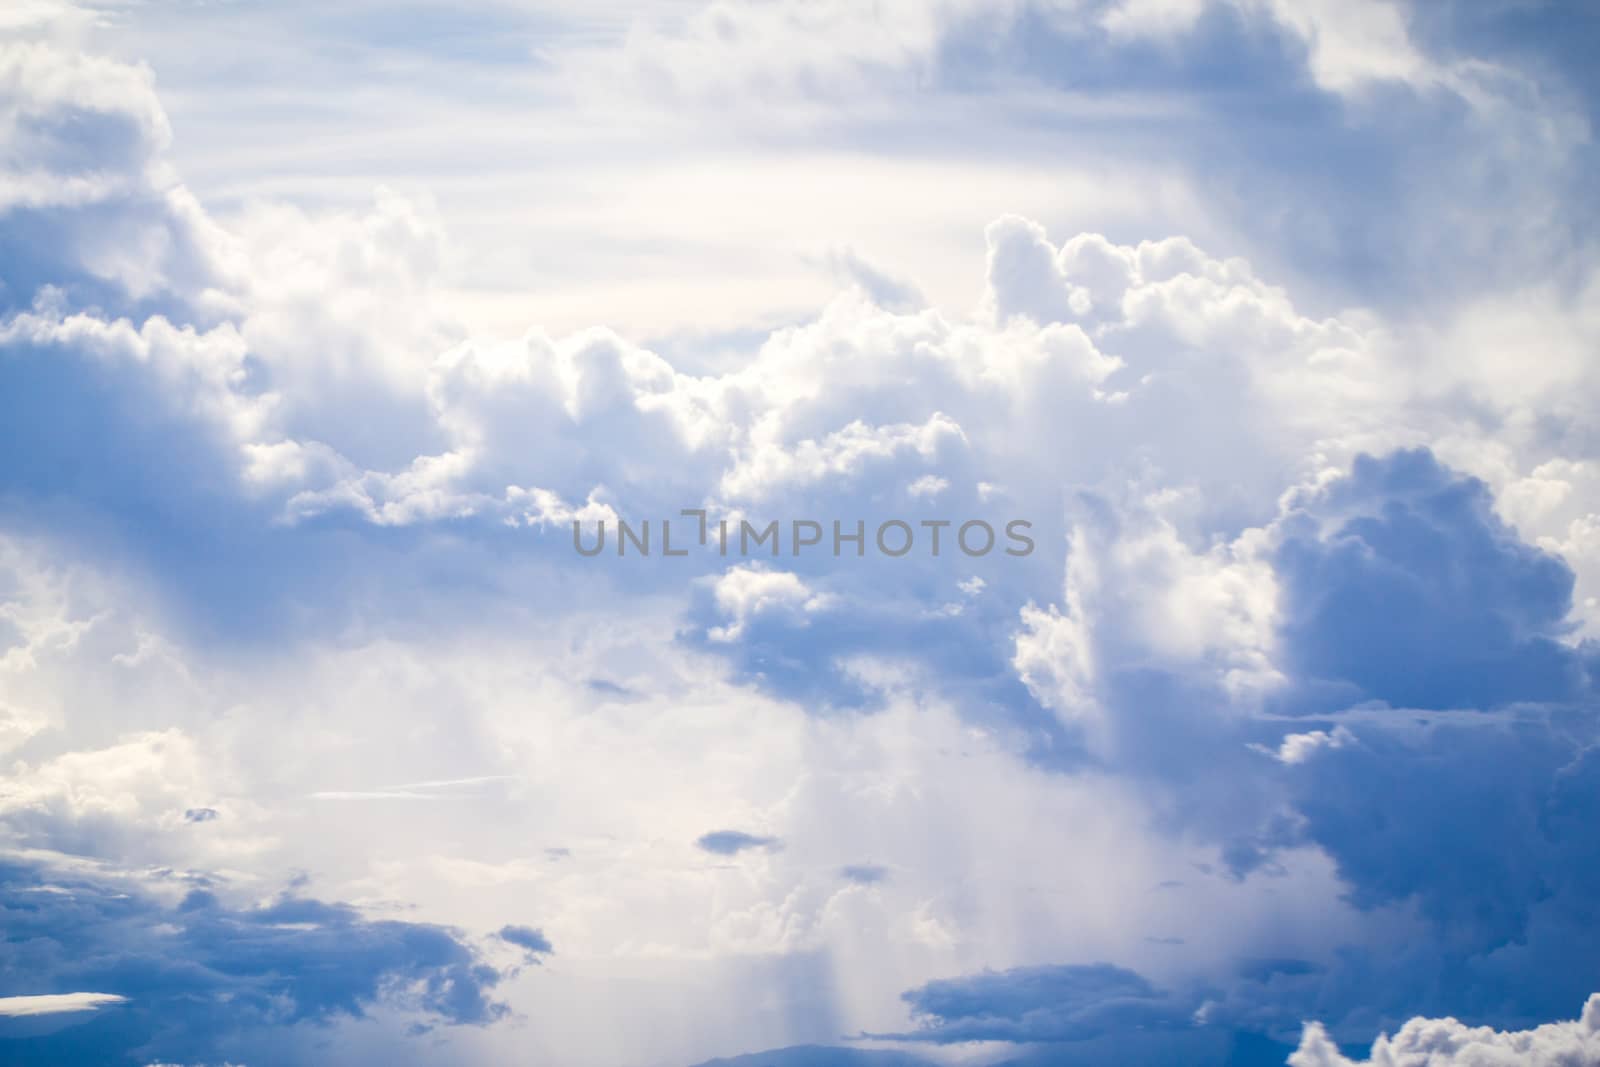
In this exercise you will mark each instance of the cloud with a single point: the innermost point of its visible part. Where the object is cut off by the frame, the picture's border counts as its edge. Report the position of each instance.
(48, 1013)
(748, 591)
(1297, 748)
(1500, 874)
(885, 290)
(532, 942)
(87, 192)
(732, 842)
(831, 50)
(109, 801)
(57, 1003)
(1400, 582)
(1348, 46)
(442, 789)
(292, 519)
(1452, 718)
(1449, 1043)
(1041, 1004)
(821, 1056)
(864, 873)
(200, 979)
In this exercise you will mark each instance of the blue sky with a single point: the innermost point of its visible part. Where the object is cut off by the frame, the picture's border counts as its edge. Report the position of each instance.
(320, 327)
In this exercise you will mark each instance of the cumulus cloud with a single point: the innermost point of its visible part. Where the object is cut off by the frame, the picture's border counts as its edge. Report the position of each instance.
(488, 427)
(275, 423)
(1449, 1043)
(745, 592)
(1400, 800)
(1401, 582)
(1297, 748)
(87, 192)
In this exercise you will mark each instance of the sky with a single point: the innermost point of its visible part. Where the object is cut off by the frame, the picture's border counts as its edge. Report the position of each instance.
(1263, 336)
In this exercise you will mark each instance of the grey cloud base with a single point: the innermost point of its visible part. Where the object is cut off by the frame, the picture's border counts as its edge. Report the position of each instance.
(204, 982)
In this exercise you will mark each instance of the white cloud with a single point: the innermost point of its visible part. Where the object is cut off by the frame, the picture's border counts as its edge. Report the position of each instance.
(1135, 592)
(1355, 43)
(57, 1004)
(43, 83)
(1143, 400)
(745, 592)
(1297, 748)
(1448, 1043)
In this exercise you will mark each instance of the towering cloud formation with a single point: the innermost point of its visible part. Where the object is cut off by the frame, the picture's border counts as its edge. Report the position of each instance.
(324, 745)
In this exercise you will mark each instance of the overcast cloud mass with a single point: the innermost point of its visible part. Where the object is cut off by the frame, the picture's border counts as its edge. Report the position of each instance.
(321, 326)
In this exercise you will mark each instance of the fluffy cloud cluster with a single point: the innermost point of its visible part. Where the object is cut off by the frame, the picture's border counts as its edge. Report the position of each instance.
(1291, 715)
(1078, 345)
(1448, 1043)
